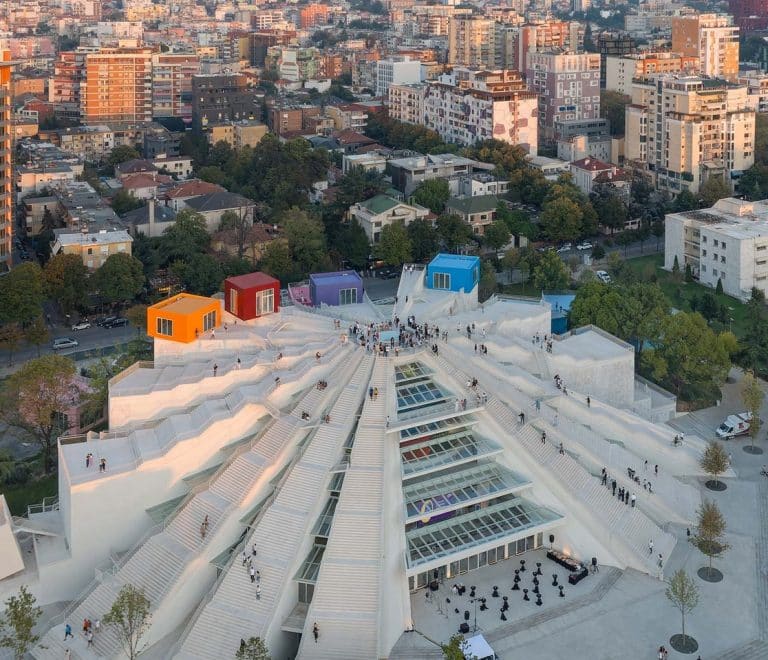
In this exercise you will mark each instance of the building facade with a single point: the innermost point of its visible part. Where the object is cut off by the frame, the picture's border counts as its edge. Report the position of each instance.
(568, 88)
(381, 211)
(685, 129)
(469, 106)
(471, 42)
(713, 39)
(728, 242)
(172, 84)
(93, 248)
(396, 71)
(222, 97)
(6, 163)
(621, 71)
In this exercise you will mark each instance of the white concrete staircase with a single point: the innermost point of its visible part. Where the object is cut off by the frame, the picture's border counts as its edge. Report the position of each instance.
(158, 561)
(280, 536)
(348, 592)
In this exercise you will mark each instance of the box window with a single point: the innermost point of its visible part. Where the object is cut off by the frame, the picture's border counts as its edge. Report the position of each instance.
(165, 327)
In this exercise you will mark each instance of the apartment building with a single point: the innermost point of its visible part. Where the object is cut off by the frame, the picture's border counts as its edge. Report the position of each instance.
(6, 163)
(313, 14)
(64, 89)
(713, 39)
(117, 86)
(406, 103)
(172, 84)
(472, 42)
(222, 97)
(399, 70)
(620, 71)
(757, 90)
(467, 106)
(727, 242)
(409, 173)
(612, 44)
(91, 143)
(237, 134)
(94, 248)
(381, 211)
(568, 88)
(685, 129)
(749, 14)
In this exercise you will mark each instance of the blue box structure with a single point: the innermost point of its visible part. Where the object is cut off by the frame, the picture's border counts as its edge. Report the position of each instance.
(342, 288)
(453, 272)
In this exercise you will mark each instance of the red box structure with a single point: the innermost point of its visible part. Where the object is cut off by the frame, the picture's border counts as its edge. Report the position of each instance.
(251, 296)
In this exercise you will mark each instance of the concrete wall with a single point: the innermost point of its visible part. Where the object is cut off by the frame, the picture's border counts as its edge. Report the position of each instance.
(10, 553)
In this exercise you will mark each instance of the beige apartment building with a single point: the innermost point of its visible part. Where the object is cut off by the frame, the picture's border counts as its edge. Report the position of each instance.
(686, 129)
(406, 102)
(472, 42)
(713, 39)
(622, 70)
(93, 248)
(237, 134)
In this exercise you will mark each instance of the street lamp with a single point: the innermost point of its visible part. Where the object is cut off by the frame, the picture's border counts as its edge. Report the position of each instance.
(474, 602)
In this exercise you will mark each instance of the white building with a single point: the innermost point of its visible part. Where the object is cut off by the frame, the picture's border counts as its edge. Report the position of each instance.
(728, 242)
(396, 71)
(381, 211)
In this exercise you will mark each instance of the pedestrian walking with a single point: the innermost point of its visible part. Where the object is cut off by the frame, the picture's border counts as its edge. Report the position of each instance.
(589, 402)
(239, 364)
(258, 592)
(315, 632)
(521, 417)
(387, 421)
(67, 654)
(660, 564)
(375, 393)
(215, 369)
(543, 437)
(613, 485)
(253, 549)
(650, 547)
(68, 632)
(97, 626)
(258, 577)
(645, 465)
(89, 637)
(370, 393)
(252, 573)
(537, 403)
(245, 558)
(88, 459)
(633, 498)
(656, 469)
(103, 465)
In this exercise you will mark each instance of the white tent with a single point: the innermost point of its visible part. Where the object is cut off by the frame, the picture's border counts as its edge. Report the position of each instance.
(477, 648)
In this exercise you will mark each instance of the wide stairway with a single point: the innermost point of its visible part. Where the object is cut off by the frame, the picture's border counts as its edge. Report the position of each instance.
(347, 596)
(158, 561)
(623, 523)
(279, 534)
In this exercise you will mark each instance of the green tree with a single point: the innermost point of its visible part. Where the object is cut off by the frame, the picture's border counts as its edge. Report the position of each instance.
(714, 460)
(433, 194)
(129, 616)
(32, 397)
(613, 107)
(423, 237)
(454, 649)
(453, 230)
(18, 623)
(487, 284)
(119, 279)
(37, 333)
(276, 260)
(22, 294)
(496, 234)
(137, 315)
(685, 201)
(394, 245)
(237, 224)
(561, 219)
(518, 222)
(551, 273)
(611, 211)
(713, 189)
(201, 275)
(754, 182)
(709, 538)
(355, 244)
(657, 229)
(66, 281)
(598, 252)
(754, 353)
(123, 202)
(121, 154)
(752, 395)
(676, 269)
(213, 174)
(11, 335)
(252, 649)
(306, 241)
(683, 594)
(689, 357)
(187, 236)
(719, 287)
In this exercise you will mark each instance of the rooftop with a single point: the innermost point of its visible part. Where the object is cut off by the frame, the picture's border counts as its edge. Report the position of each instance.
(251, 280)
(183, 303)
(473, 204)
(338, 278)
(454, 261)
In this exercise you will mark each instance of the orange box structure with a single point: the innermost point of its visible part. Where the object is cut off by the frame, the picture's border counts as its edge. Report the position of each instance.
(183, 317)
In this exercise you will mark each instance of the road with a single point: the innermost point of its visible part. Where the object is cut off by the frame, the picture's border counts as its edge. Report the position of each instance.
(632, 250)
(89, 339)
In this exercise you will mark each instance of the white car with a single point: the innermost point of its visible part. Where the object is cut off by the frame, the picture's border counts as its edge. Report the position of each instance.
(64, 342)
(604, 277)
(584, 245)
(565, 247)
(83, 325)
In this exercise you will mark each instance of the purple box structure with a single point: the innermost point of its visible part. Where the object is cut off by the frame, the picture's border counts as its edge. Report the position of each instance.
(342, 288)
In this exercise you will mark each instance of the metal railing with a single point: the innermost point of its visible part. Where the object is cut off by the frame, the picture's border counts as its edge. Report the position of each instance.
(48, 504)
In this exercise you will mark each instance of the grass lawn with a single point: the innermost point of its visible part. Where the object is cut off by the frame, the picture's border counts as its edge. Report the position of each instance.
(680, 293)
(33, 492)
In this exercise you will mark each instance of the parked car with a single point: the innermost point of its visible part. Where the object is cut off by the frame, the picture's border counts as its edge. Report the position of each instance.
(83, 325)
(118, 322)
(604, 277)
(106, 320)
(64, 342)
(565, 247)
(584, 245)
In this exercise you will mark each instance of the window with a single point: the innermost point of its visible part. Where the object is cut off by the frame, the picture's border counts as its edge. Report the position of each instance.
(347, 296)
(722, 259)
(714, 242)
(441, 281)
(209, 321)
(233, 301)
(722, 244)
(265, 302)
(165, 327)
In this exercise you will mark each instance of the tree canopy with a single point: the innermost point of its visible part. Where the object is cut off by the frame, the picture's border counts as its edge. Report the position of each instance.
(18, 623)
(66, 281)
(395, 245)
(120, 278)
(433, 194)
(129, 616)
(550, 273)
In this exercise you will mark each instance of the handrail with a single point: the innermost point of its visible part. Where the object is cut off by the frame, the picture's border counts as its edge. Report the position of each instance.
(42, 507)
(139, 364)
